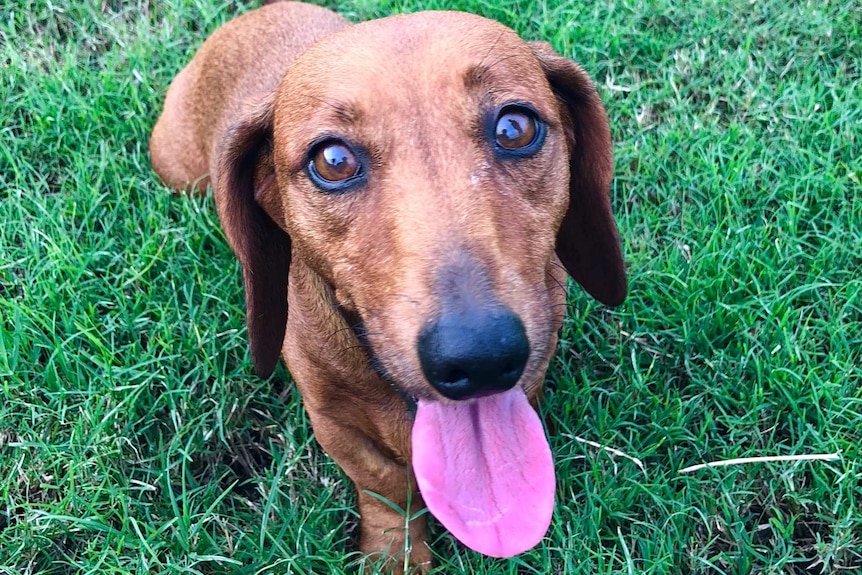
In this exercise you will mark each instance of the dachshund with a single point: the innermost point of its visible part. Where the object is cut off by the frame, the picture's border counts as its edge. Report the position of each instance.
(405, 197)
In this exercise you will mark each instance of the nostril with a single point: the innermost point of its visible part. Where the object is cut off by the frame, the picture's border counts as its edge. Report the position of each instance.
(510, 370)
(454, 377)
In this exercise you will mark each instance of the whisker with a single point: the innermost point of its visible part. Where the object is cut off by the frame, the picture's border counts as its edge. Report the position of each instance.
(339, 330)
(491, 49)
(560, 266)
(557, 284)
(358, 346)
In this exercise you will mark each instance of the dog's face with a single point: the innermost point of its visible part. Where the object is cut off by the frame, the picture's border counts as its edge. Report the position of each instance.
(427, 185)
(427, 166)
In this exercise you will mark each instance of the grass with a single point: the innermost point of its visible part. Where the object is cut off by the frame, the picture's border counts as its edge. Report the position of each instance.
(135, 439)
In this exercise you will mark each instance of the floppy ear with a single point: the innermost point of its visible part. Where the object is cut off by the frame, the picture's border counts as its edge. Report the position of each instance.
(587, 242)
(246, 196)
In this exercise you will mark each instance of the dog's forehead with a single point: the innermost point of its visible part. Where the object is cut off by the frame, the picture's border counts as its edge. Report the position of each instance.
(424, 57)
(444, 36)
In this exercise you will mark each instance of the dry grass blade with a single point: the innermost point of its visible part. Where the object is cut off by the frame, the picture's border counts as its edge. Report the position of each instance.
(764, 459)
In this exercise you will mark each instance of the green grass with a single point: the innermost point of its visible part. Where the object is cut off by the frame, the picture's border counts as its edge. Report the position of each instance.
(135, 439)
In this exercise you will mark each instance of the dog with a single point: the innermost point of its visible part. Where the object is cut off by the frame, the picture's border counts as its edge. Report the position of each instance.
(405, 197)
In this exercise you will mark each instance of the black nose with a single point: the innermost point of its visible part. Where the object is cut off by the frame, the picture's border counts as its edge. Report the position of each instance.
(473, 352)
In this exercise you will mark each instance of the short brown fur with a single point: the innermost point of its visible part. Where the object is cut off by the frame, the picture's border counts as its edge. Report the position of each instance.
(360, 272)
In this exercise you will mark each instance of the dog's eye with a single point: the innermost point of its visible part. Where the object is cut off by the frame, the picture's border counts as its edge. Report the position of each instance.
(516, 128)
(334, 162)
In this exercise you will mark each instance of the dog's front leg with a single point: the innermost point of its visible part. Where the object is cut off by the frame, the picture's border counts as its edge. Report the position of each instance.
(378, 476)
(385, 530)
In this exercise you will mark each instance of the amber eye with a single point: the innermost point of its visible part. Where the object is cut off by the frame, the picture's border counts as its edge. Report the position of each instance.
(334, 162)
(516, 129)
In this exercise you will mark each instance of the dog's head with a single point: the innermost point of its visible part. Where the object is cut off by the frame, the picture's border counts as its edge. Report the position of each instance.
(431, 168)
(428, 168)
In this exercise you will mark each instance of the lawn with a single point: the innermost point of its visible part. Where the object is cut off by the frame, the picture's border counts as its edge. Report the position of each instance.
(134, 437)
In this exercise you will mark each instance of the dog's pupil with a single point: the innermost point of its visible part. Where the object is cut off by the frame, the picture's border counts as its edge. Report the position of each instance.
(515, 130)
(335, 162)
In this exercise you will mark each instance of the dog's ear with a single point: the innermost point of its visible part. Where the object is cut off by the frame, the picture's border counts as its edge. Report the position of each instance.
(587, 242)
(251, 214)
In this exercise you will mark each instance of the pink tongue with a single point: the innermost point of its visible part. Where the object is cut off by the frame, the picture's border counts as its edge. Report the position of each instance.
(485, 472)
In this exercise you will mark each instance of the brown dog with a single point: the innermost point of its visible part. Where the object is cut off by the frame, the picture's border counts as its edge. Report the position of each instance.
(408, 189)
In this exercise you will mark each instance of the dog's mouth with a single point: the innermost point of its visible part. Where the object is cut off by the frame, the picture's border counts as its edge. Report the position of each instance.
(482, 465)
(485, 471)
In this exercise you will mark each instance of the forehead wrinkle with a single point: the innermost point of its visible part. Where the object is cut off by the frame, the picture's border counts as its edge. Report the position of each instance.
(482, 74)
(341, 111)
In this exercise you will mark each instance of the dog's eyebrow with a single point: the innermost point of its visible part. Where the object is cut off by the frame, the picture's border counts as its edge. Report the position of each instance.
(478, 75)
(343, 111)
(475, 76)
